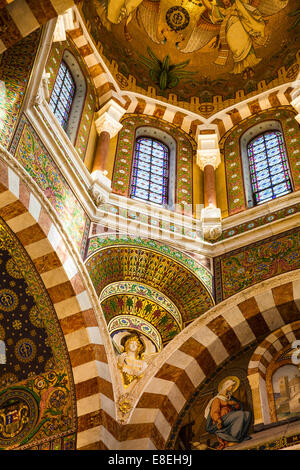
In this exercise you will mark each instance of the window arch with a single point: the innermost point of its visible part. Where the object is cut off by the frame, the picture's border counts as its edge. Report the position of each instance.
(63, 94)
(166, 195)
(150, 171)
(265, 164)
(68, 95)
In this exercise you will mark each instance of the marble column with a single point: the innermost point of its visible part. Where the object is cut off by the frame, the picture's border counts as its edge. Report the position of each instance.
(208, 159)
(101, 152)
(107, 126)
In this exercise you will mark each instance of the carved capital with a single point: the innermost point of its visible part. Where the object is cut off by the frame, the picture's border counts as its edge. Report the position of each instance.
(208, 152)
(296, 103)
(108, 118)
(97, 194)
(211, 223)
(64, 23)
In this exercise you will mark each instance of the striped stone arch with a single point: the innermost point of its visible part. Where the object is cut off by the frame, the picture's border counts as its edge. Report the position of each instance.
(260, 370)
(30, 218)
(274, 343)
(202, 347)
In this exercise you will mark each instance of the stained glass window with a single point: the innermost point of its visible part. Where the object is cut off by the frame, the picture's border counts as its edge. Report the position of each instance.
(150, 171)
(269, 171)
(63, 94)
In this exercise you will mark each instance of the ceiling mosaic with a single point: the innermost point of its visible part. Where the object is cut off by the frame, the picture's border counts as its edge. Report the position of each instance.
(37, 402)
(215, 50)
(136, 306)
(177, 285)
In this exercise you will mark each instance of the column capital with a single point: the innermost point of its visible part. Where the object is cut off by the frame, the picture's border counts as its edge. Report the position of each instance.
(108, 118)
(65, 22)
(296, 103)
(208, 152)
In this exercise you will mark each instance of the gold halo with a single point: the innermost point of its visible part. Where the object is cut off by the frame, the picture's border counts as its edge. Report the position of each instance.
(230, 377)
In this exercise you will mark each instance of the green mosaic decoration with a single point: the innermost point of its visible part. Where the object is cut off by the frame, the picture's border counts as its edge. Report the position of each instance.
(156, 269)
(255, 263)
(230, 146)
(184, 160)
(260, 221)
(130, 306)
(147, 292)
(97, 243)
(15, 67)
(35, 159)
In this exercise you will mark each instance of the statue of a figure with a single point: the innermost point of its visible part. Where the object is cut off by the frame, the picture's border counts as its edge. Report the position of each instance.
(131, 361)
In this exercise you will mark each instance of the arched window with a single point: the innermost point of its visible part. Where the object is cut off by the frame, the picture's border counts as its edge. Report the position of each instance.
(268, 165)
(68, 95)
(265, 163)
(62, 94)
(150, 171)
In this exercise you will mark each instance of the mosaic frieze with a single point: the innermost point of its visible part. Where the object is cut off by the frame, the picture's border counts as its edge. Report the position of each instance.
(36, 386)
(230, 146)
(159, 271)
(255, 263)
(145, 291)
(35, 159)
(128, 306)
(260, 221)
(15, 68)
(184, 159)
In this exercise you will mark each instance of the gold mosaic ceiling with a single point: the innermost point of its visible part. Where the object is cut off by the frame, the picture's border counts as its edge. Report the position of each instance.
(209, 49)
(159, 272)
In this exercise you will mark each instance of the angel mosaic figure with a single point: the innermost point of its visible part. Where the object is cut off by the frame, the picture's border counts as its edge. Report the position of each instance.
(236, 26)
(241, 26)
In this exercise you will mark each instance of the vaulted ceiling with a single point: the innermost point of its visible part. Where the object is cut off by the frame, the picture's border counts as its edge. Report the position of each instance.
(214, 50)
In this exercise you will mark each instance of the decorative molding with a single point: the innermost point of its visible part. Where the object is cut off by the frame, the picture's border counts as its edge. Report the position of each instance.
(208, 152)
(108, 118)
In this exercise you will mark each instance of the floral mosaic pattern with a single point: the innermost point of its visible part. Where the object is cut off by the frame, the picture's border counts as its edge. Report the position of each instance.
(260, 221)
(30, 152)
(230, 145)
(15, 68)
(157, 270)
(198, 270)
(124, 154)
(250, 265)
(138, 306)
(143, 290)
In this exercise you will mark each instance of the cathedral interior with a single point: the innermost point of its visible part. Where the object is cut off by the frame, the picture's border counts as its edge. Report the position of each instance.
(150, 225)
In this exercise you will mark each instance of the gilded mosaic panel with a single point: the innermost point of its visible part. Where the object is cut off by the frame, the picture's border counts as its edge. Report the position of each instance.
(35, 159)
(129, 263)
(201, 272)
(138, 306)
(15, 69)
(255, 263)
